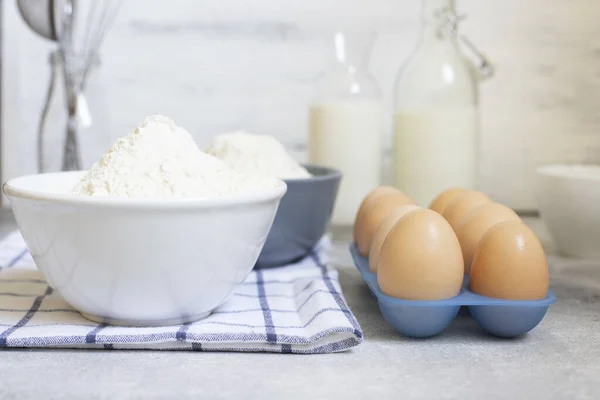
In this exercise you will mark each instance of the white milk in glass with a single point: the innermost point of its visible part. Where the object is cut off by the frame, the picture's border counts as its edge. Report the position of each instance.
(436, 119)
(346, 135)
(435, 149)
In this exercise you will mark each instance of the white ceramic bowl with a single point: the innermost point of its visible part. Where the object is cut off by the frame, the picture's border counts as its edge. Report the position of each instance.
(569, 203)
(140, 262)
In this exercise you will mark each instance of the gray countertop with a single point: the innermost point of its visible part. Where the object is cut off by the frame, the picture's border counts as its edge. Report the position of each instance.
(560, 359)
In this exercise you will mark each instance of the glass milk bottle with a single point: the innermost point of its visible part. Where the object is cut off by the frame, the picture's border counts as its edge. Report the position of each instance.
(346, 123)
(436, 138)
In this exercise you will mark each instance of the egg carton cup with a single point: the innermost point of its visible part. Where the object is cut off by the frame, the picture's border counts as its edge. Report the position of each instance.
(426, 318)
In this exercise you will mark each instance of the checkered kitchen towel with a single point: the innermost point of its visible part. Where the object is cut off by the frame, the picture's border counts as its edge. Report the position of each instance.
(293, 309)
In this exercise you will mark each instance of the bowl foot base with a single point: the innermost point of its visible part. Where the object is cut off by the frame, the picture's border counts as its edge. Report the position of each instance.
(146, 323)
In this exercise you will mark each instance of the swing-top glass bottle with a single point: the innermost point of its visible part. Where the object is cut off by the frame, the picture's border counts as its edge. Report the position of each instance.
(436, 127)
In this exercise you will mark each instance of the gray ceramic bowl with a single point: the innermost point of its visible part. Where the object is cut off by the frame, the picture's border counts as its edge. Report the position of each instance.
(302, 218)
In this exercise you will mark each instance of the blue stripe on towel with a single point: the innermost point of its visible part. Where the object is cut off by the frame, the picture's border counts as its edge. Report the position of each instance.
(34, 307)
(264, 304)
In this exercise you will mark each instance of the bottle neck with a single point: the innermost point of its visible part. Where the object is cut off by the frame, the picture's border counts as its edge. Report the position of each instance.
(352, 51)
(432, 7)
(439, 21)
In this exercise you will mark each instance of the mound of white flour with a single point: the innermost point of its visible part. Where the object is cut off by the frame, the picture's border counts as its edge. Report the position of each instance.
(256, 154)
(160, 159)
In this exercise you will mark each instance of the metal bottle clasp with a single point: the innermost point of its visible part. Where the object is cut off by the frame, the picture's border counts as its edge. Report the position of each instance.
(484, 65)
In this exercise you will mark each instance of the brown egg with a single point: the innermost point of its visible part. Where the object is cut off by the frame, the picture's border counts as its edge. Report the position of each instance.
(374, 194)
(368, 221)
(440, 203)
(383, 231)
(420, 258)
(367, 202)
(460, 206)
(476, 223)
(510, 264)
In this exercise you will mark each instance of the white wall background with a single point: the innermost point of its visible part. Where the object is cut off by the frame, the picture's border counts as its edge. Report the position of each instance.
(215, 66)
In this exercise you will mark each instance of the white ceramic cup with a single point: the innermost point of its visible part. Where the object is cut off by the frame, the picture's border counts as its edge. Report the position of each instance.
(569, 203)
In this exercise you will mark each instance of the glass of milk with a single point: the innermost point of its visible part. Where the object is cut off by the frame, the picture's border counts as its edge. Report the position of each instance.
(346, 122)
(436, 138)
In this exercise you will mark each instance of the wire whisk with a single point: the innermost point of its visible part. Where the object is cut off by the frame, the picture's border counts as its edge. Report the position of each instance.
(82, 26)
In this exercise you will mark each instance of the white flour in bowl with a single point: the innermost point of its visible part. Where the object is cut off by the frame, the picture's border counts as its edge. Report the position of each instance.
(256, 154)
(161, 159)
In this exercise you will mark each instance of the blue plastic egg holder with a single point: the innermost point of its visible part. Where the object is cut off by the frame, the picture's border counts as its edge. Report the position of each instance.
(420, 319)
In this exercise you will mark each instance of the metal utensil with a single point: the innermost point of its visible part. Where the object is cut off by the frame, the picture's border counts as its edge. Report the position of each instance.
(39, 15)
(65, 45)
(79, 27)
(83, 26)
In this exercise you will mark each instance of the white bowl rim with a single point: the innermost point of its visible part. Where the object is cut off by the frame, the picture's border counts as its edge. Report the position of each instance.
(11, 189)
(571, 171)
